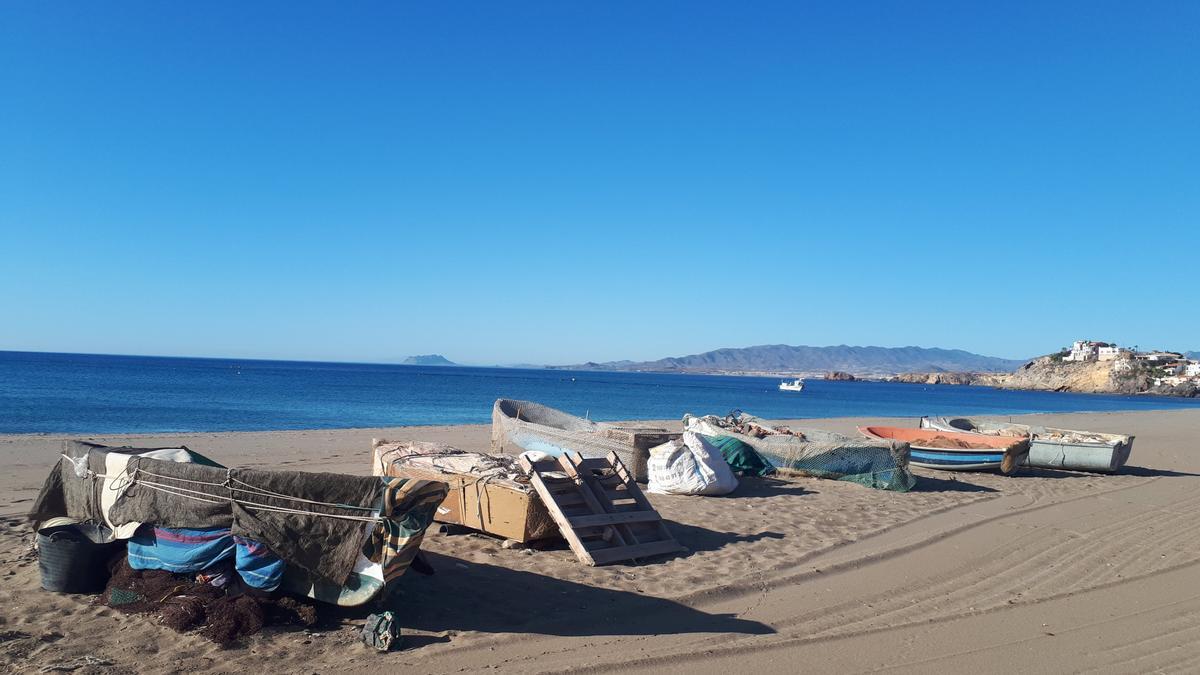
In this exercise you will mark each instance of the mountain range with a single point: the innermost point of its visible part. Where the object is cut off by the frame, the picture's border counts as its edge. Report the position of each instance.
(804, 360)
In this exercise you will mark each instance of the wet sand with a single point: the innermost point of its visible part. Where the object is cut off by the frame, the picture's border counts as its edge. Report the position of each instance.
(1043, 572)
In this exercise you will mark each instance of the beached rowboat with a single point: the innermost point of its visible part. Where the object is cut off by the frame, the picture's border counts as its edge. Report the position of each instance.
(1049, 447)
(882, 465)
(518, 426)
(956, 451)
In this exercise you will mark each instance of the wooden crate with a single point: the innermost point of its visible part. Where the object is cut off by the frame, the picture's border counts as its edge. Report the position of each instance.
(499, 510)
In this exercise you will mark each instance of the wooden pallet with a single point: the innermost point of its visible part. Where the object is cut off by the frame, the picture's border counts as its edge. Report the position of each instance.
(599, 508)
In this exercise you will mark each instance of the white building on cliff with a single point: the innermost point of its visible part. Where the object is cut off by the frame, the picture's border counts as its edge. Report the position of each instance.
(1085, 350)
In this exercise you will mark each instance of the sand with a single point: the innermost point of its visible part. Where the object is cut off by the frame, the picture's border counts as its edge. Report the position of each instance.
(1042, 572)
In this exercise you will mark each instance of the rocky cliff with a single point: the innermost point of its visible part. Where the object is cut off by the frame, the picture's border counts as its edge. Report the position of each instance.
(840, 376)
(1048, 373)
(941, 378)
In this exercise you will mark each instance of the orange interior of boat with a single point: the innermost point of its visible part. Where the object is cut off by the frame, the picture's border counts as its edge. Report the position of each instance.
(916, 436)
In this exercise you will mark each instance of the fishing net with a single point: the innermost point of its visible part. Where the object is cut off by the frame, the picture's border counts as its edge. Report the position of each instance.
(742, 458)
(182, 604)
(882, 465)
(518, 426)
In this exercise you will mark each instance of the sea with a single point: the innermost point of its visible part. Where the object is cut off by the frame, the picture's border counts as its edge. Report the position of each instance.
(98, 394)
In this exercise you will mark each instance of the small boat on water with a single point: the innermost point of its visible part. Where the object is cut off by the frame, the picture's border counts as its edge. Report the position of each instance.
(1049, 447)
(518, 426)
(956, 451)
(795, 385)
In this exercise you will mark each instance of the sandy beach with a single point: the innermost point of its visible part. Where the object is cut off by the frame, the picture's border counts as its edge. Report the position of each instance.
(1042, 572)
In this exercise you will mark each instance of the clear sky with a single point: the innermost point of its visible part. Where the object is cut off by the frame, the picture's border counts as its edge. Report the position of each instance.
(557, 182)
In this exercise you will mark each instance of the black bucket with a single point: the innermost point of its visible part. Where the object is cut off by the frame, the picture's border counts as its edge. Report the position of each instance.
(74, 558)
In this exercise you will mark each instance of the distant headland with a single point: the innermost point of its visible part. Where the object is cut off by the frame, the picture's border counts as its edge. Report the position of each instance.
(428, 360)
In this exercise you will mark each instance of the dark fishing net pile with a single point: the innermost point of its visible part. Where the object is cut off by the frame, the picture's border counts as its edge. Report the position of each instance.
(182, 604)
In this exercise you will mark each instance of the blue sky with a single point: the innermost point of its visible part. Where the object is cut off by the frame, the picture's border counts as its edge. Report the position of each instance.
(557, 182)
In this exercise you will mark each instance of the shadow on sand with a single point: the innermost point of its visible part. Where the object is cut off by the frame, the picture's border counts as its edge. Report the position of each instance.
(1139, 471)
(492, 599)
(951, 483)
(755, 487)
(1149, 473)
(695, 539)
(698, 539)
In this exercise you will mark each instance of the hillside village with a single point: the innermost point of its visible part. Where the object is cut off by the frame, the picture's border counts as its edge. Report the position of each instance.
(1087, 366)
(1167, 369)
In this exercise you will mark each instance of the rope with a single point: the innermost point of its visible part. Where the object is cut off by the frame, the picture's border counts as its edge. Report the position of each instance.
(267, 493)
(124, 481)
(478, 483)
(172, 490)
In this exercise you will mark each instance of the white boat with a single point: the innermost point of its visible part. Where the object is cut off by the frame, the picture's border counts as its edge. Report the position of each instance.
(518, 426)
(795, 385)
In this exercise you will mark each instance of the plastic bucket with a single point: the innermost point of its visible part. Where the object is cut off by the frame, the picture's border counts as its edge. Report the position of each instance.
(74, 558)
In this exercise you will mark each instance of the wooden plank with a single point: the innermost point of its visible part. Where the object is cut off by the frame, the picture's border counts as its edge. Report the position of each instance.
(564, 525)
(636, 494)
(622, 535)
(600, 511)
(570, 462)
(607, 555)
(614, 519)
(593, 464)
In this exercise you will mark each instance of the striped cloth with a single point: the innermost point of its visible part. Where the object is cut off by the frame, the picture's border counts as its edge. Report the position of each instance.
(182, 551)
(188, 551)
(257, 565)
(408, 508)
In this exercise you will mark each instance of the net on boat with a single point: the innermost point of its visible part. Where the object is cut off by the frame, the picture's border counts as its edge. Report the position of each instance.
(882, 465)
(518, 426)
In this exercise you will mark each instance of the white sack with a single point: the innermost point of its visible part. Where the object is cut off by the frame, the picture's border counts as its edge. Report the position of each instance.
(689, 466)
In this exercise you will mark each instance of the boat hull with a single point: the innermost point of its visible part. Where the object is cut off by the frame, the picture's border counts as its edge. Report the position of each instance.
(519, 426)
(1004, 455)
(1046, 452)
(931, 458)
(821, 454)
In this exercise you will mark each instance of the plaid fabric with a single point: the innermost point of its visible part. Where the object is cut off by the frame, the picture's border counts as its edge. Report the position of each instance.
(408, 506)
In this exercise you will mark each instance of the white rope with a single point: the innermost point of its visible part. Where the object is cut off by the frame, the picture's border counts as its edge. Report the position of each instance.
(153, 486)
(253, 489)
(124, 480)
(171, 490)
(138, 470)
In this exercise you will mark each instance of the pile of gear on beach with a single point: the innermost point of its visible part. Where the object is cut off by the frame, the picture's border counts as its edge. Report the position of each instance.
(170, 533)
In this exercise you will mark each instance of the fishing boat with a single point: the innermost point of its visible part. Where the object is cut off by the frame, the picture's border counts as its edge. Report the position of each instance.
(879, 464)
(955, 450)
(1049, 447)
(794, 385)
(520, 426)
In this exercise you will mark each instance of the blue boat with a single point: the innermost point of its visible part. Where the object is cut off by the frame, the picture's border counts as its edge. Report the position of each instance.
(956, 451)
(1049, 447)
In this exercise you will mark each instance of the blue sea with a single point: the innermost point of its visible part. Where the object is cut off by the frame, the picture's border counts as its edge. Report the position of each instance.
(77, 393)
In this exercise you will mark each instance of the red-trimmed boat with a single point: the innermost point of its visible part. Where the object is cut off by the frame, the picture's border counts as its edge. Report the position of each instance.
(956, 451)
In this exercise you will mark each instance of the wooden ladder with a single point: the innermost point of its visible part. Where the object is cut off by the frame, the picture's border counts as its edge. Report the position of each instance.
(599, 508)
